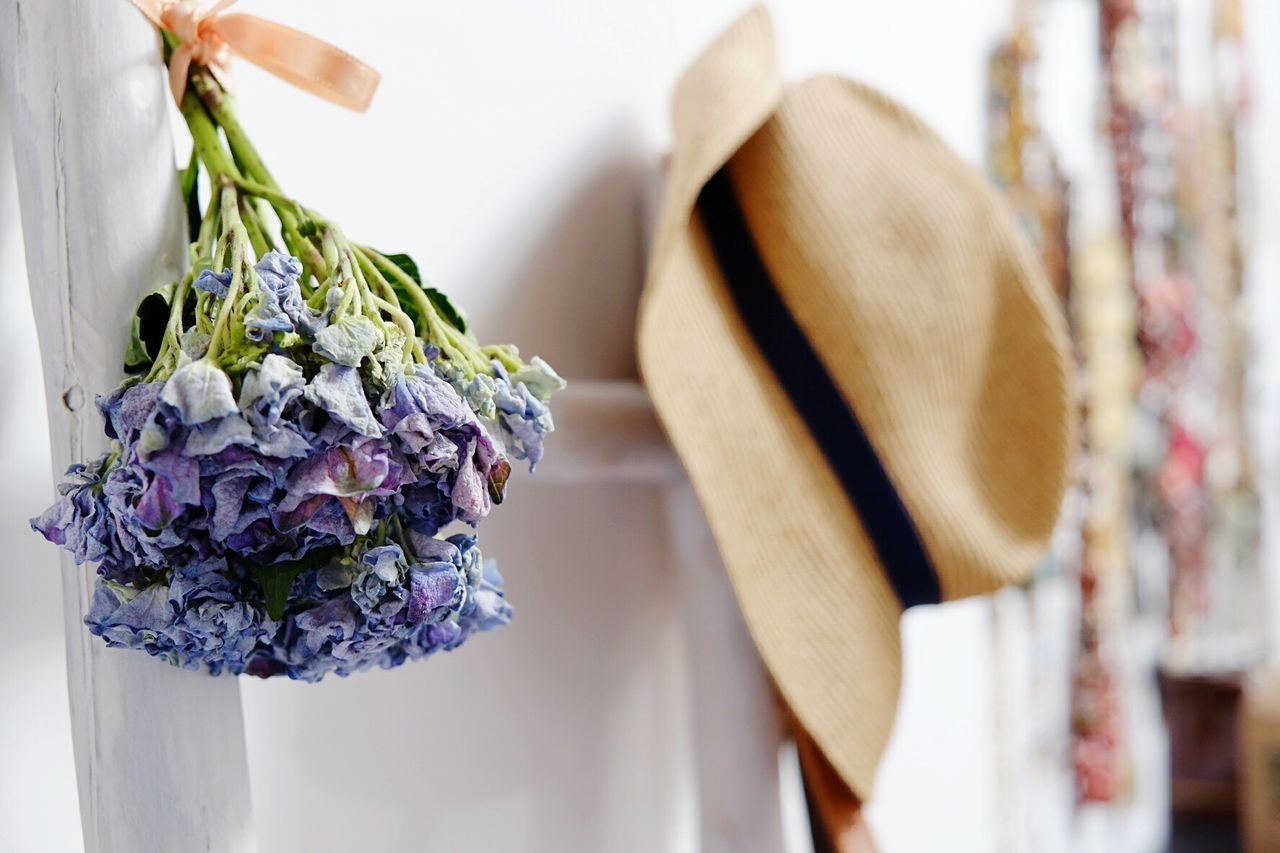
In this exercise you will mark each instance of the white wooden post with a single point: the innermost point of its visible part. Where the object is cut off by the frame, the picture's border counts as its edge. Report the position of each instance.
(737, 732)
(607, 432)
(160, 752)
(736, 726)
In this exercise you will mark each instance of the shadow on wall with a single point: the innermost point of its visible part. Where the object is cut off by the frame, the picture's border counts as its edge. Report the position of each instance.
(568, 729)
(566, 284)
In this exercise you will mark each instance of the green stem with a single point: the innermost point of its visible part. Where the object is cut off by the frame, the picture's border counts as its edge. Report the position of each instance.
(205, 137)
(366, 295)
(203, 249)
(453, 344)
(390, 303)
(250, 218)
(171, 343)
(504, 356)
(274, 196)
(218, 103)
(239, 240)
(349, 287)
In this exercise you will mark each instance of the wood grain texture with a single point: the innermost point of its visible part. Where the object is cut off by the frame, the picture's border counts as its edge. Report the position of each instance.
(160, 752)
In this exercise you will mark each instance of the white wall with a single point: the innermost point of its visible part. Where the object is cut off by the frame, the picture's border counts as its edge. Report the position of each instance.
(508, 149)
(1264, 275)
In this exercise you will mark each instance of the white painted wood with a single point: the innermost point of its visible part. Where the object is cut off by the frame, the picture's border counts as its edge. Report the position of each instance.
(747, 781)
(749, 788)
(606, 431)
(737, 731)
(160, 755)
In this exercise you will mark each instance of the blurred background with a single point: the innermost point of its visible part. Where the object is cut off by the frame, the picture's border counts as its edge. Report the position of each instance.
(514, 149)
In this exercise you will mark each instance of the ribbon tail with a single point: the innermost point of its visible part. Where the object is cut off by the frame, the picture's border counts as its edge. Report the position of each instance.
(301, 59)
(179, 65)
(153, 9)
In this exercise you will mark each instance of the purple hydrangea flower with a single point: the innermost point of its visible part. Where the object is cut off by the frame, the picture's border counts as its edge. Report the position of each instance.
(80, 520)
(390, 615)
(205, 615)
(198, 619)
(282, 518)
(438, 433)
(514, 406)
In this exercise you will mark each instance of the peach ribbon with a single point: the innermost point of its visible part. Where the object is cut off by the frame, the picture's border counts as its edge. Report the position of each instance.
(210, 37)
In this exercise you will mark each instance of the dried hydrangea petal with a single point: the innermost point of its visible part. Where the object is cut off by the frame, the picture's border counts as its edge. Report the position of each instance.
(540, 378)
(338, 391)
(434, 590)
(267, 388)
(348, 341)
(199, 392)
(217, 283)
(213, 437)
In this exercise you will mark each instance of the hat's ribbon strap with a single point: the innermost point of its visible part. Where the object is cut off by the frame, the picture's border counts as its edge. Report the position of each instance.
(804, 378)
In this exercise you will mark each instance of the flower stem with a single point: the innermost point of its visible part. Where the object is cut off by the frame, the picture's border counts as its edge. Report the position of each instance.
(205, 137)
(218, 103)
(239, 240)
(453, 344)
(250, 218)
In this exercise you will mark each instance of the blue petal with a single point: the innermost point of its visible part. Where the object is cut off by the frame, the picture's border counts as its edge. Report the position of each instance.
(217, 283)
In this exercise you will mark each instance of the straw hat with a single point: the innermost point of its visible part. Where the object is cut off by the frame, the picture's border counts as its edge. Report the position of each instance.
(861, 366)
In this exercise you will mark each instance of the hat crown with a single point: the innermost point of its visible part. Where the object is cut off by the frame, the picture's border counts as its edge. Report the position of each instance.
(930, 313)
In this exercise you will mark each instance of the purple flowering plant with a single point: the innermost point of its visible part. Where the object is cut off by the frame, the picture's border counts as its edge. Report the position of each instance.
(302, 420)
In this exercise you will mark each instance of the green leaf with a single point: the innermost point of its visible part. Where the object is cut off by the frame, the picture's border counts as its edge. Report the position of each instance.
(405, 263)
(276, 582)
(447, 309)
(441, 302)
(277, 579)
(149, 321)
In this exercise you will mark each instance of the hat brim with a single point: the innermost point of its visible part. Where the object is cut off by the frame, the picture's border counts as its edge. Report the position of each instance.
(812, 592)
(929, 313)
(814, 597)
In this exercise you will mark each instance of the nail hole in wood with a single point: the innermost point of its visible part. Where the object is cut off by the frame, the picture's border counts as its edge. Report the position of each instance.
(73, 398)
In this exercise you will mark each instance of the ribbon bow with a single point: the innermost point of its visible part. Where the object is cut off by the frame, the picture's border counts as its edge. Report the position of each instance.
(209, 38)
